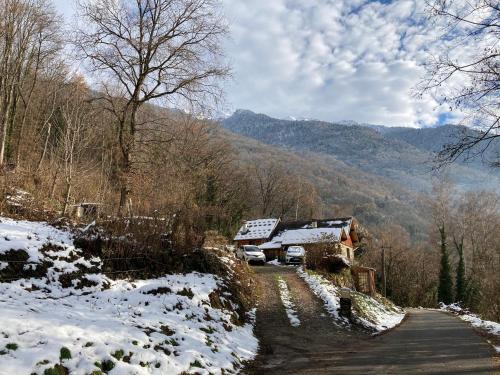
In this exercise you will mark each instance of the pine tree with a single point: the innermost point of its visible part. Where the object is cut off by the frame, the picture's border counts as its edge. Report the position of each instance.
(460, 288)
(445, 289)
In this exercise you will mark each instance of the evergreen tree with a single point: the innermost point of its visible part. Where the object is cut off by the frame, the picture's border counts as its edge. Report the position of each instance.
(445, 289)
(460, 288)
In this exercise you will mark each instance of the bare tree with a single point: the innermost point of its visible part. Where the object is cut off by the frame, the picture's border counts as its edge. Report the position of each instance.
(74, 135)
(29, 34)
(151, 50)
(466, 74)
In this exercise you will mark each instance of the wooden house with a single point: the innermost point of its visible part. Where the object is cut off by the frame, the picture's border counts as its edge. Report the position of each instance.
(311, 233)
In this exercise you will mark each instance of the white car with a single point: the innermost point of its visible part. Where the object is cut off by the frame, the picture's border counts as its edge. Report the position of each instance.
(295, 254)
(251, 253)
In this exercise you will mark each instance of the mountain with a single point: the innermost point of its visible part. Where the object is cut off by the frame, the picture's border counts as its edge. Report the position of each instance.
(344, 190)
(381, 175)
(402, 155)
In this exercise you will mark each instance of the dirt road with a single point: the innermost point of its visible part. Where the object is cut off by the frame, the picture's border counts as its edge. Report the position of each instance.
(428, 342)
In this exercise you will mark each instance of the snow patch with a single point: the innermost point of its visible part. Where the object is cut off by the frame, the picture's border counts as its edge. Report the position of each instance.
(367, 311)
(286, 299)
(165, 325)
(274, 262)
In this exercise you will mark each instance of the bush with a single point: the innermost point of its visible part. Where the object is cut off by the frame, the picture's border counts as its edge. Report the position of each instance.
(64, 354)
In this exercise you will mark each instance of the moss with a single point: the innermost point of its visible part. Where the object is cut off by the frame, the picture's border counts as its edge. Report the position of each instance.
(56, 370)
(186, 293)
(64, 354)
(208, 330)
(12, 346)
(196, 364)
(118, 354)
(160, 290)
(135, 342)
(166, 330)
(106, 365)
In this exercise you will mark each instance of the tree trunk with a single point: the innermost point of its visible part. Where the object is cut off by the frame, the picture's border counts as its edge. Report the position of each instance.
(5, 125)
(54, 181)
(66, 197)
(45, 146)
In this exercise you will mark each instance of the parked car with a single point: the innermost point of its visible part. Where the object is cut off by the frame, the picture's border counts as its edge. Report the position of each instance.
(295, 255)
(251, 253)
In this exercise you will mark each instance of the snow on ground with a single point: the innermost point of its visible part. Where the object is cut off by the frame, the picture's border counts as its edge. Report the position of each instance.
(31, 236)
(371, 313)
(489, 327)
(274, 262)
(286, 299)
(167, 325)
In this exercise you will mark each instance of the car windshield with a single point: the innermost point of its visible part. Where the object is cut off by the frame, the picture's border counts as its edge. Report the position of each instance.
(294, 250)
(252, 249)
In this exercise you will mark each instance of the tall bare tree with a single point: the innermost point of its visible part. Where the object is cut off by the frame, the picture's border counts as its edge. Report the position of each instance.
(28, 36)
(466, 74)
(74, 135)
(151, 50)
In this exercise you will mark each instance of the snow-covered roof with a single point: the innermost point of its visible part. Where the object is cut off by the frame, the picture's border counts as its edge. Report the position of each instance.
(256, 229)
(303, 236)
(273, 244)
(345, 223)
(311, 235)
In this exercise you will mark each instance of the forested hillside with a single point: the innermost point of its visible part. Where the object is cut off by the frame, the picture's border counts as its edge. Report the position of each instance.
(402, 155)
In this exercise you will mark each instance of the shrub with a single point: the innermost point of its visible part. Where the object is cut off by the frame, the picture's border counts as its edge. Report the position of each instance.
(118, 354)
(64, 354)
(12, 346)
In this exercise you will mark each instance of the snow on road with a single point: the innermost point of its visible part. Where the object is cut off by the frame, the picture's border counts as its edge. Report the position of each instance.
(286, 299)
(167, 325)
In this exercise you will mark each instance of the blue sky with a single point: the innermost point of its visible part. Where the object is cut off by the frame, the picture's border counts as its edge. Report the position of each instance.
(330, 59)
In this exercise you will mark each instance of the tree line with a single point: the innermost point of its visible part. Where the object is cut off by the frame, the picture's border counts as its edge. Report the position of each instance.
(459, 261)
(136, 140)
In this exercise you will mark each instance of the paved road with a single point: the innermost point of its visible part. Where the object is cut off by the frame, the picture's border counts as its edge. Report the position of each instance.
(428, 342)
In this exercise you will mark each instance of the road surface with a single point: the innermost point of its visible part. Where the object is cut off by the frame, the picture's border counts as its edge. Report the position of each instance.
(428, 342)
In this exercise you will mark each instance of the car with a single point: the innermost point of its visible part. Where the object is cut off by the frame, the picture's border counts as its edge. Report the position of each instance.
(295, 255)
(251, 254)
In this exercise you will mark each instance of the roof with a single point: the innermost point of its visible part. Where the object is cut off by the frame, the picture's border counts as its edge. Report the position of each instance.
(310, 235)
(256, 229)
(303, 236)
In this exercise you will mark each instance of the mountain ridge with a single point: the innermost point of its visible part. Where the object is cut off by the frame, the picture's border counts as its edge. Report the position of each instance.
(404, 155)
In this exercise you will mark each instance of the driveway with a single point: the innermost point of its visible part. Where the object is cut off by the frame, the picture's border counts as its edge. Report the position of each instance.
(316, 345)
(428, 342)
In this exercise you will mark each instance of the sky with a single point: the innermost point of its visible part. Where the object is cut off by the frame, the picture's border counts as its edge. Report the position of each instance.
(331, 60)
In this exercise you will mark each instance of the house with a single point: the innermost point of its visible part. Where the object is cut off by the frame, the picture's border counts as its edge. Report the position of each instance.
(256, 232)
(311, 233)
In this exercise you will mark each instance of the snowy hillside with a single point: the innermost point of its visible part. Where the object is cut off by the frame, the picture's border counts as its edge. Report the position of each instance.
(67, 316)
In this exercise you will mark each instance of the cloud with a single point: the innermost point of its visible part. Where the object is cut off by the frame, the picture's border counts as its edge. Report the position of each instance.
(331, 60)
